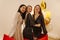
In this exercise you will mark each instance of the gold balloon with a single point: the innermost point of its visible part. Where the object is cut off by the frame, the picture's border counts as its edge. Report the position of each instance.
(43, 4)
(47, 17)
(46, 13)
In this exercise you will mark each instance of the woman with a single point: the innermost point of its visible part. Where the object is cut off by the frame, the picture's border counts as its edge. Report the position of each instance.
(20, 16)
(39, 23)
(27, 32)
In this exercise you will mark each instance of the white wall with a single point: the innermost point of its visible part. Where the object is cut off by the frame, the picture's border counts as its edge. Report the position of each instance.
(54, 7)
(8, 9)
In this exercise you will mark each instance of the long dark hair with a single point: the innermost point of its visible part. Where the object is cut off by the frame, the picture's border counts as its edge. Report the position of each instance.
(22, 14)
(40, 12)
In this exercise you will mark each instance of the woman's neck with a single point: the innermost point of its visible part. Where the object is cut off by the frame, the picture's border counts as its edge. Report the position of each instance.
(28, 12)
(36, 13)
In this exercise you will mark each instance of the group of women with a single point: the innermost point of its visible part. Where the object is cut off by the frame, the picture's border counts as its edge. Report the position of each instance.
(34, 24)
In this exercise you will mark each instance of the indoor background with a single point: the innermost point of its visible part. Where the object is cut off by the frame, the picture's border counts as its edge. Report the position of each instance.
(8, 9)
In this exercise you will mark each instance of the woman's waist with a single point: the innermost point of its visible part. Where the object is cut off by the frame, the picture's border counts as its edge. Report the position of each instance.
(37, 26)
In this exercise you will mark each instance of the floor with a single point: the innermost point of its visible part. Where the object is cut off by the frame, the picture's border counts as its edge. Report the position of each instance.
(52, 39)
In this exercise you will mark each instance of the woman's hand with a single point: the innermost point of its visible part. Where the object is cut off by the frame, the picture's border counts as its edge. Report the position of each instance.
(37, 25)
(34, 38)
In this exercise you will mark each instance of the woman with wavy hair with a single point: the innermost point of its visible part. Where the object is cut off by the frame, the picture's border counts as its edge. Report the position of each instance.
(39, 23)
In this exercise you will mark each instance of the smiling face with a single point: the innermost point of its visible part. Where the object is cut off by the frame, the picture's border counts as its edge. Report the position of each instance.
(37, 9)
(29, 9)
(23, 9)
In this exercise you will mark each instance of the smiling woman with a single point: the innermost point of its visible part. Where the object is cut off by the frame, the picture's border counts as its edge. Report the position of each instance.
(20, 18)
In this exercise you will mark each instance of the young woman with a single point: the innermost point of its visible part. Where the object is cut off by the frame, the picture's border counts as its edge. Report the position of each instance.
(27, 32)
(39, 23)
(20, 16)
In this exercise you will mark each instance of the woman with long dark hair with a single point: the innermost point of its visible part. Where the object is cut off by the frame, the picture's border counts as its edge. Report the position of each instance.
(39, 23)
(20, 17)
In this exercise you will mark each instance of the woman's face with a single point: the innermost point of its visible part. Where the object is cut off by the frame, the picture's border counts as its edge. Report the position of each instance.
(37, 9)
(23, 9)
(29, 9)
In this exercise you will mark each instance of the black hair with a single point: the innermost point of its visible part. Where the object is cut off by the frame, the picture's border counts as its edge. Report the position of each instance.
(22, 14)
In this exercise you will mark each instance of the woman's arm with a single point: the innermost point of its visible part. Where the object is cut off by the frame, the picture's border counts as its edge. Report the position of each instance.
(43, 25)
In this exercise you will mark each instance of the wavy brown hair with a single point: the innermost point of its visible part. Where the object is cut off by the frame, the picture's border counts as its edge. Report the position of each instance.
(40, 12)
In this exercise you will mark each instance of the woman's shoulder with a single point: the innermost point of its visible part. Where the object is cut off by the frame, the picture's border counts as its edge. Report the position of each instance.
(40, 15)
(18, 14)
(28, 14)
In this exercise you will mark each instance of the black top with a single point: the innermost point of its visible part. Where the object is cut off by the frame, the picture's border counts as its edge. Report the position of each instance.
(29, 20)
(37, 30)
(27, 32)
